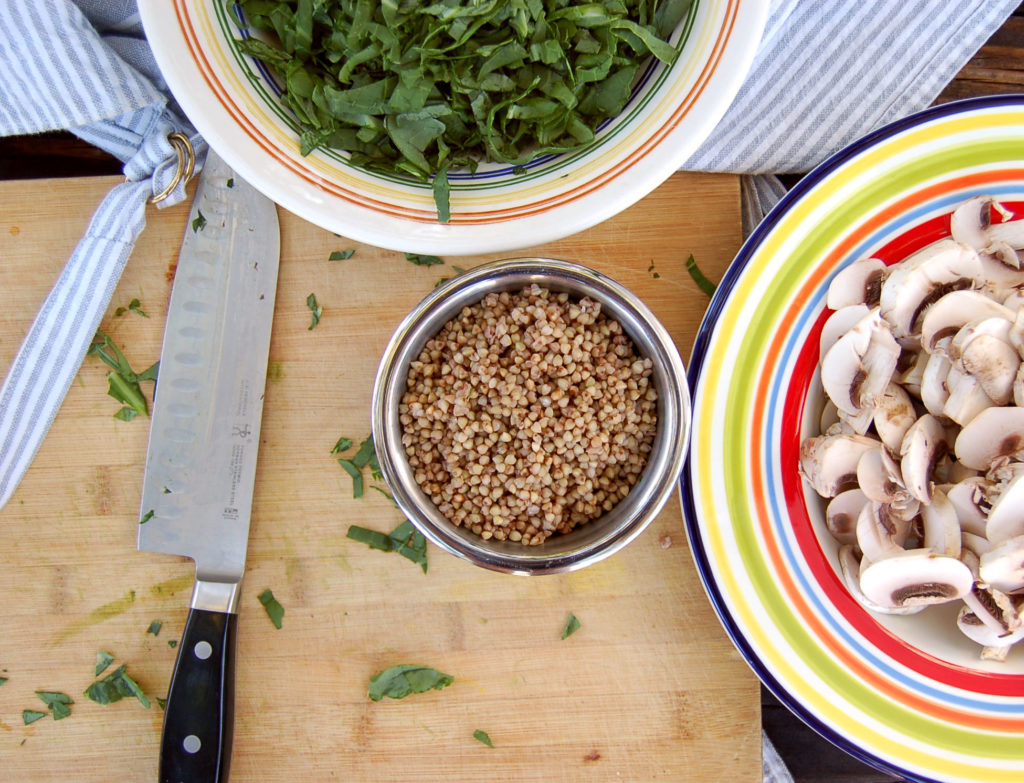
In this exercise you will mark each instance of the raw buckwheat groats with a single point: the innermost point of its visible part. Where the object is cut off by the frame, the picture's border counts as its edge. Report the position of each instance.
(528, 414)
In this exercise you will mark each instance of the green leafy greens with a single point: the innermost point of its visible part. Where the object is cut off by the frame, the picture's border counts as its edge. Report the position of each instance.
(273, 607)
(699, 278)
(116, 686)
(572, 625)
(103, 661)
(316, 309)
(57, 702)
(416, 89)
(483, 737)
(123, 380)
(399, 681)
(405, 539)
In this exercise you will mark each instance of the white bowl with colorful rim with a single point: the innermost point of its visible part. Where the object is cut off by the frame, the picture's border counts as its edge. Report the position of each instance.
(232, 101)
(908, 695)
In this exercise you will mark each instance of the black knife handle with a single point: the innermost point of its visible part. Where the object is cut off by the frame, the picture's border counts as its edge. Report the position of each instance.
(199, 716)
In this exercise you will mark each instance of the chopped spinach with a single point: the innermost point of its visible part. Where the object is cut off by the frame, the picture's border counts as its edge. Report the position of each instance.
(572, 625)
(273, 608)
(483, 737)
(417, 89)
(116, 686)
(399, 681)
(702, 282)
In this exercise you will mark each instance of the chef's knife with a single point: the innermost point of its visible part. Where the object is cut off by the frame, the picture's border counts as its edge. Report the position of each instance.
(201, 462)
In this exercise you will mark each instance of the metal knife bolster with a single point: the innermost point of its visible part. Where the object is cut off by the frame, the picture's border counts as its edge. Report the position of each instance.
(204, 434)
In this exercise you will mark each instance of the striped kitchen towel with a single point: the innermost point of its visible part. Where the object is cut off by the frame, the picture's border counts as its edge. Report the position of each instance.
(827, 73)
(85, 67)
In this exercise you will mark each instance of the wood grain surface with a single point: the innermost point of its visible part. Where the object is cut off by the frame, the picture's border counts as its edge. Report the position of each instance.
(650, 687)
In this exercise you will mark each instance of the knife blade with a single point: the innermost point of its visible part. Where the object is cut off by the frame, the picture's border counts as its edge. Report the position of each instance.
(201, 460)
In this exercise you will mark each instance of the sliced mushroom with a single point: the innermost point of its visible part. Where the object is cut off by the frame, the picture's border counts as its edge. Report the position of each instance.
(997, 642)
(934, 393)
(971, 223)
(942, 320)
(859, 283)
(829, 416)
(829, 462)
(838, 324)
(878, 476)
(942, 533)
(973, 546)
(860, 365)
(995, 434)
(983, 349)
(1006, 519)
(1002, 566)
(971, 498)
(894, 414)
(966, 396)
(923, 445)
(841, 515)
(913, 364)
(849, 565)
(916, 577)
(924, 278)
(881, 534)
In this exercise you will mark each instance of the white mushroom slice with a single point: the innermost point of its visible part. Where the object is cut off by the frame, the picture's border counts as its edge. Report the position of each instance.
(923, 445)
(859, 423)
(942, 320)
(975, 629)
(829, 463)
(1018, 388)
(1006, 519)
(916, 577)
(933, 384)
(974, 546)
(881, 534)
(958, 472)
(849, 565)
(998, 280)
(994, 434)
(859, 283)
(841, 515)
(1002, 566)
(971, 499)
(913, 362)
(878, 476)
(838, 324)
(894, 414)
(829, 415)
(971, 221)
(1011, 232)
(967, 397)
(1016, 334)
(941, 526)
(998, 610)
(983, 349)
(923, 278)
(860, 365)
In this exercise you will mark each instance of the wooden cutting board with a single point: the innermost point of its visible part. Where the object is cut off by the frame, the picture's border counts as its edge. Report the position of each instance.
(649, 688)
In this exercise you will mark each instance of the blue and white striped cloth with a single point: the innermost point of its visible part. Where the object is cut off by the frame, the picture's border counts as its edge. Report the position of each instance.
(825, 74)
(85, 67)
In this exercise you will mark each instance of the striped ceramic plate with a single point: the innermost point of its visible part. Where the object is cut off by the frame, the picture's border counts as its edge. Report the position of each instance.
(232, 100)
(909, 695)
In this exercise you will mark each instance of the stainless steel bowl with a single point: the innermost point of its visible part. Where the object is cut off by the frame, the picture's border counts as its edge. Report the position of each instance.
(590, 542)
